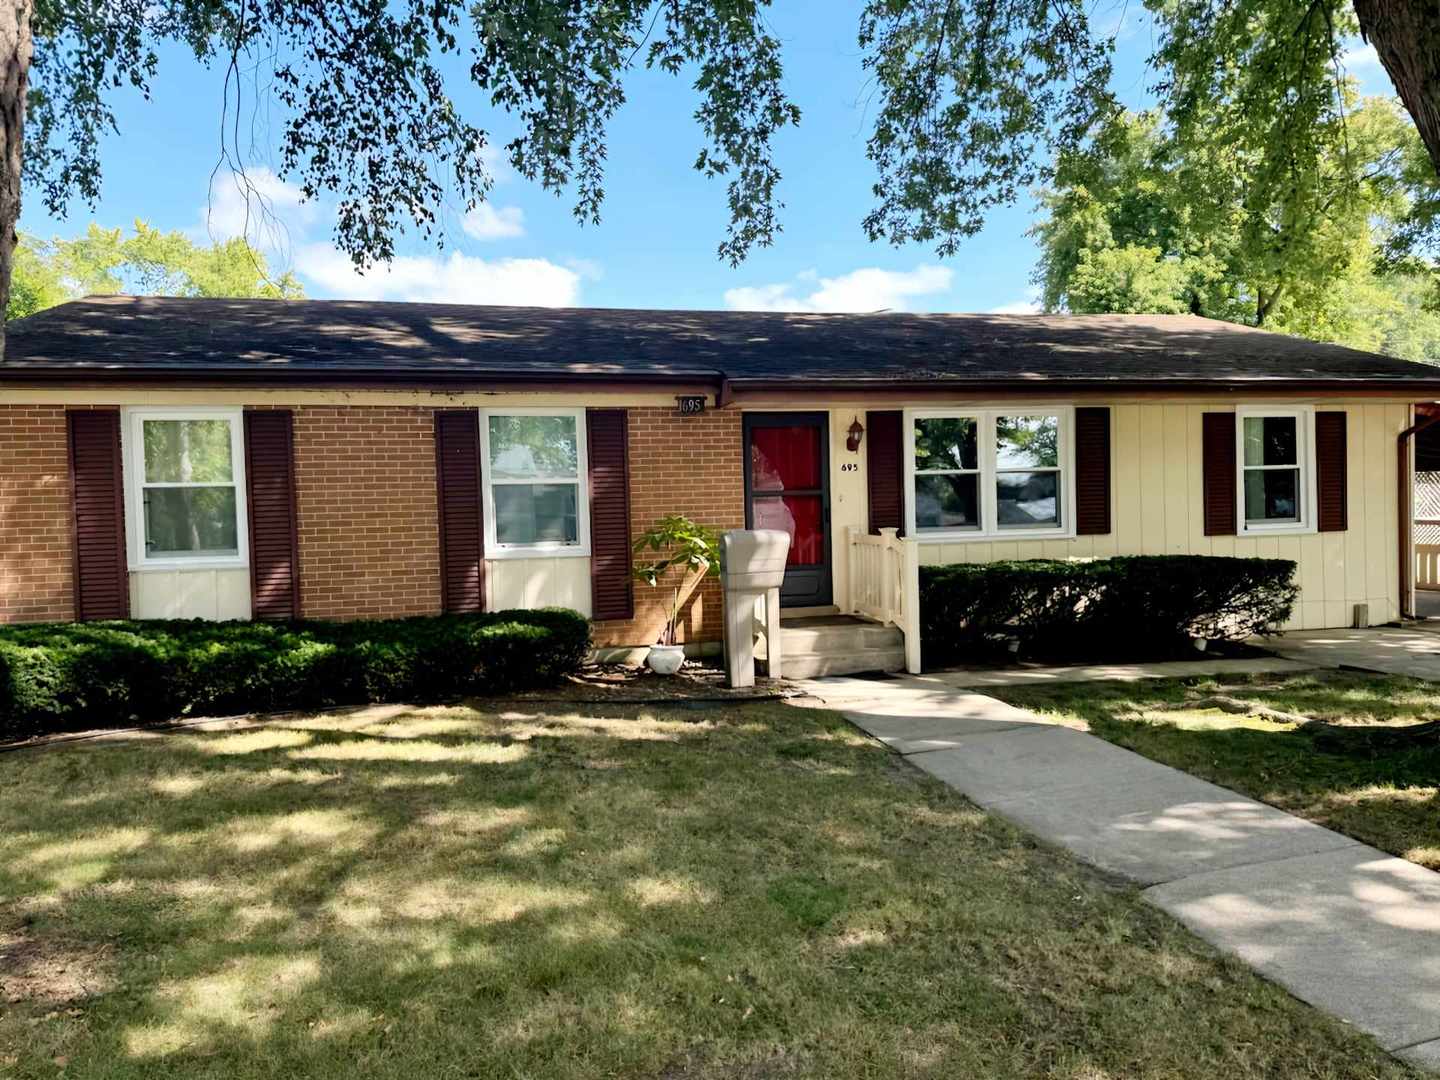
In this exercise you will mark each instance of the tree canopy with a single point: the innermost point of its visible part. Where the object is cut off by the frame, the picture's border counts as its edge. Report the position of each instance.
(104, 261)
(976, 101)
(1156, 216)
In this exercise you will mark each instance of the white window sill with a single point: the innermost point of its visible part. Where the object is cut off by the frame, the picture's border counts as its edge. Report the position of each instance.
(995, 537)
(567, 551)
(1256, 531)
(169, 565)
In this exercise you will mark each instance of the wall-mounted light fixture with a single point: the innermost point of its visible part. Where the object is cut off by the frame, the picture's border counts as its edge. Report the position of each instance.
(857, 432)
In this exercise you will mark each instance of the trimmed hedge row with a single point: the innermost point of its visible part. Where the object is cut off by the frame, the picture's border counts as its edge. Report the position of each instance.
(66, 676)
(1130, 607)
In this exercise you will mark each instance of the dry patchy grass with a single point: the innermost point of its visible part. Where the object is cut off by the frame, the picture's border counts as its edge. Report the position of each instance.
(741, 891)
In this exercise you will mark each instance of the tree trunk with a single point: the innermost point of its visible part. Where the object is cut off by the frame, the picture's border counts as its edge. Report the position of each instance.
(16, 47)
(1406, 36)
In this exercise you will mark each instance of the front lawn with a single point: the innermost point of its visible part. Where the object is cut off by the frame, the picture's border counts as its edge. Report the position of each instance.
(742, 891)
(1343, 749)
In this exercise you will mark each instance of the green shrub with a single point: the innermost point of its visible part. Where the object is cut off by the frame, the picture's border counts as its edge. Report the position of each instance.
(63, 676)
(1125, 608)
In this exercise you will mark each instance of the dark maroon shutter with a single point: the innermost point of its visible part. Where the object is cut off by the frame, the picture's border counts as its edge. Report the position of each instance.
(1218, 456)
(612, 589)
(462, 541)
(1092, 471)
(102, 585)
(270, 490)
(1331, 470)
(885, 469)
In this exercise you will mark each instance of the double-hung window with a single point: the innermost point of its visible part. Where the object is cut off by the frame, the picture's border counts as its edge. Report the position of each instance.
(1276, 482)
(186, 484)
(990, 473)
(947, 473)
(533, 464)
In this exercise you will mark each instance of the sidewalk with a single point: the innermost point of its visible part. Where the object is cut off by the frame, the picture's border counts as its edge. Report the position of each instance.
(1392, 650)
(1338, 923)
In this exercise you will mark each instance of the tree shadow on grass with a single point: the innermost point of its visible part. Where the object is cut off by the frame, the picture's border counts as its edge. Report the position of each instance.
(1355, 769)
(406, 892)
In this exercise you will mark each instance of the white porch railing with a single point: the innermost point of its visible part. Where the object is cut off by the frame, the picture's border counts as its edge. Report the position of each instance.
(1427, 566)
(885, 584)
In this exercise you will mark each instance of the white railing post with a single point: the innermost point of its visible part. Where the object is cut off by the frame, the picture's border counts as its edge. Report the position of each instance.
(910, 607)
(886, 559)
(852, 572)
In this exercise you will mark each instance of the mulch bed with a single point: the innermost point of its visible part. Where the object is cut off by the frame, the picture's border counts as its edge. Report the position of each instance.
(621, 684)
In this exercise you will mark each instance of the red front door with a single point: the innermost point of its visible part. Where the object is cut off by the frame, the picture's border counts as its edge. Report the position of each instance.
(787, 487)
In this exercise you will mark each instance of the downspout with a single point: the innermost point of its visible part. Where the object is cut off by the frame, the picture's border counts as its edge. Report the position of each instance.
(1405, 494)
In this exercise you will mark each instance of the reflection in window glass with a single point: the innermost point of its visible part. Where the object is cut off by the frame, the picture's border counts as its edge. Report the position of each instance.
(190, 521)
(1271, 440)
(1272, 496)
(1028, 500)
(537, 513)
(1027, 442)
(189, 502)
(943, 443)
(947, 501)
(533, 447)
(1271, 468)
(988, 473)
(187, 451)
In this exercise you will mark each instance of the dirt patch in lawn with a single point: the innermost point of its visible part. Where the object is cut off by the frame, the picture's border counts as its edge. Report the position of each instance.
(49, 974)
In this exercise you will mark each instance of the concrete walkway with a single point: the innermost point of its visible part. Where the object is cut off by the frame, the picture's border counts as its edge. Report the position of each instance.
(1339, 924)
(1391, 650)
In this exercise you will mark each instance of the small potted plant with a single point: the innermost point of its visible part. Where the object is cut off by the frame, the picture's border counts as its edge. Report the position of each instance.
(677, 544)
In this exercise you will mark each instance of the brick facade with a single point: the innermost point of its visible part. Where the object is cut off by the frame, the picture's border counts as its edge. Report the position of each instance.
(367, 517)
(689, 465)
(369, 533)
(37, 562)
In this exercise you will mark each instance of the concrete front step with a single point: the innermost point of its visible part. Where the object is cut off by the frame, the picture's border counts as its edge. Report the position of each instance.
(817, 665)
(839, 645)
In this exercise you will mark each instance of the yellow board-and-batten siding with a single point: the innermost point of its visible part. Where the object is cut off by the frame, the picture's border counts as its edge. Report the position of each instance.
(1157, 509)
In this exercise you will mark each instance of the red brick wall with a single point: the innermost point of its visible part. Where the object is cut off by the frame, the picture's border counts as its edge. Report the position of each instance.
(681, 465)
(365, 489)
(36, 557)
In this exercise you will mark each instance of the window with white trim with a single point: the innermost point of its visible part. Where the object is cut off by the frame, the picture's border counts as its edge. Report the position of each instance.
(533, 466)
(1275, 459)
(185, 478)
(992, 473)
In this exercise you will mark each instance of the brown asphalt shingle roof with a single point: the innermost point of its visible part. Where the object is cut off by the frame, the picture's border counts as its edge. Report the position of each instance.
(273, 340)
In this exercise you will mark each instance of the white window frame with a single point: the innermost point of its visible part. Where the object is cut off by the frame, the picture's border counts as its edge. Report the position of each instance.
(990, 530)
(1304, 417)
(547, 549)
(132, 446)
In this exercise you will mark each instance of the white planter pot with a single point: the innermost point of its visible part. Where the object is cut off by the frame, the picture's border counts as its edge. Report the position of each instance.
(665, 659)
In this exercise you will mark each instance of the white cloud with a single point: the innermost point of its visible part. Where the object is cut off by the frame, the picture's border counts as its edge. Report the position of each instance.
(1029, 306)
(486, 222)
(1360, 56)
(496, 160)
(867, 289)
(259, 206)
(456, 279)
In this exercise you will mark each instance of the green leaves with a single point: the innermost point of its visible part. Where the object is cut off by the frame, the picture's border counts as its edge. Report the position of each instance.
(974, 98)
(103, 261)
(367, 118)
(683, 543)
(680, 544)
(1165, 216)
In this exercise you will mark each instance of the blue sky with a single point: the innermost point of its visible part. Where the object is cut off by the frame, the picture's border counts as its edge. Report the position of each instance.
(662, 220)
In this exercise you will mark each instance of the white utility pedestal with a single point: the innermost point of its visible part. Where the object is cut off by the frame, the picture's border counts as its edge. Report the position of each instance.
(754, 567)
